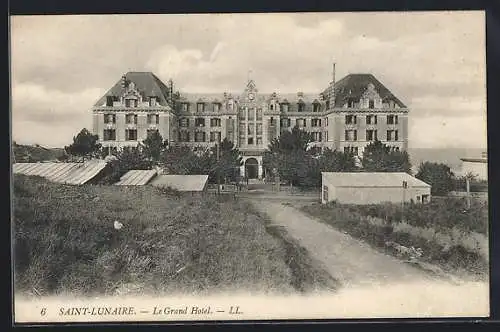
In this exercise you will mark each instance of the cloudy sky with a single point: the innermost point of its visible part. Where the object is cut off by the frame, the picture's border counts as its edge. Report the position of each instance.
(434, 62)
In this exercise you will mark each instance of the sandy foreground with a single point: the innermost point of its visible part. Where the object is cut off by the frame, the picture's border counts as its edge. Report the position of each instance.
(406, 300)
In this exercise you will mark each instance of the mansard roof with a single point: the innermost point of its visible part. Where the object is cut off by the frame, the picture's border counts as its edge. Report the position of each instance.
(307, 98)
(353, 86)
(147, 83)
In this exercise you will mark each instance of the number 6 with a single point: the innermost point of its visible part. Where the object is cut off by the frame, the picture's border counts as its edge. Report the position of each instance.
(44, 310)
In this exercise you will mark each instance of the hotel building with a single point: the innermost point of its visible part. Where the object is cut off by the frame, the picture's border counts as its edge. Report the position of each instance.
(347, 115)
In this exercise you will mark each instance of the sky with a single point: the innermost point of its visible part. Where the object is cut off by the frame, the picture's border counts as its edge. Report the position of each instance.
(433, 61)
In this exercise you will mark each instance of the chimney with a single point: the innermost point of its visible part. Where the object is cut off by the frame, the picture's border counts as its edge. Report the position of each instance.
(331, 97)
(124, 81)
(170, 91)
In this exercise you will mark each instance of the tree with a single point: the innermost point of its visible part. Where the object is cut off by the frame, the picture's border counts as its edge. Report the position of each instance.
(184, 160)
(289, 155)
(228, 164)
(378, 157)
(129, 158)
(154, 145)
(84, 145)
(439, 176)
(336, 161)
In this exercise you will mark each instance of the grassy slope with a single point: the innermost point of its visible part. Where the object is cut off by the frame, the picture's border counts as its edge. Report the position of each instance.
(66, 242)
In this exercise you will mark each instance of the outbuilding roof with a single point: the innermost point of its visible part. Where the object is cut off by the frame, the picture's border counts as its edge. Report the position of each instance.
(181, 182)
(136, 177)
(375, 179)
(69, 173)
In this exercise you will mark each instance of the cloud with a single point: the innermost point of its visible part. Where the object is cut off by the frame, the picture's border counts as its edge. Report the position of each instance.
(443, 131)
(433, 62)
(35, 110)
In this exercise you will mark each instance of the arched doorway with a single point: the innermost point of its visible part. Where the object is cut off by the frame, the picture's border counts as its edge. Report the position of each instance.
(252, 168)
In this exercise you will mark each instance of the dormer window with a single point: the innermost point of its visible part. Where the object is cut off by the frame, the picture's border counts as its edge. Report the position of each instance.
(216, 107)
(301, 107)
(131, 102)
(316, 107)
(350, 103)
(109, 101)
(185, 107)
(271, 107)
(152, 101)
(371, 103)
(200, 107)
(284, 107)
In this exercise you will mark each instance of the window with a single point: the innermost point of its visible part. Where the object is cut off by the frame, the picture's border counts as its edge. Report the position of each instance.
(184, 122)
(327, 104)
(259, 114)
(259, 140)
(215, 136)
(316, 107)
(250, 129)
(392, 135)
(185, 107)
(284, 107)
(131, 134)
(371, 103)
(371, 119)
(109, 135)
(350, 104)
(392, 119)
(371, 135)
(215, 122)
(131, 102)
(259, 128)
(425, 198)
(109, 101)
(199, 136)
(271, 107)
(316, 123)
(300, 123)
(109, 118)
(199, 122)
(350, 119)
(326, 122)
(316, 136)
(153, 119)
(285, 122)
(200, 107)
(301, 107)
(131, 119)
(250, 141)
(251, 114)
(216, 107)
(152, 101)
(325, 193)
(351, 135)
(183, 136)
(271, 121)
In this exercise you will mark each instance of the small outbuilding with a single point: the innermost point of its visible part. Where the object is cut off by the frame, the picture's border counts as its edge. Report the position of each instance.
(373, 188)
(184, 183)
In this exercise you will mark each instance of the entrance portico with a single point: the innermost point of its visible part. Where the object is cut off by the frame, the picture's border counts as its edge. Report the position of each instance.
(252, 167)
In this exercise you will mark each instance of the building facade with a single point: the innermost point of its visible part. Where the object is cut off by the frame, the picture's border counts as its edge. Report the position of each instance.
(347, 115)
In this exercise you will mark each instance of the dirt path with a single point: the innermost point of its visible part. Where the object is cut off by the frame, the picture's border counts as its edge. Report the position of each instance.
(349, 260)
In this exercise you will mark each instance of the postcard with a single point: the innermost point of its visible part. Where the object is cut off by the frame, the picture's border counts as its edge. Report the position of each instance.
(227, 167)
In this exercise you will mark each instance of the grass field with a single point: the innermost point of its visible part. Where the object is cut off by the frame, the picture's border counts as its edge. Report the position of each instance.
(65, 243)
